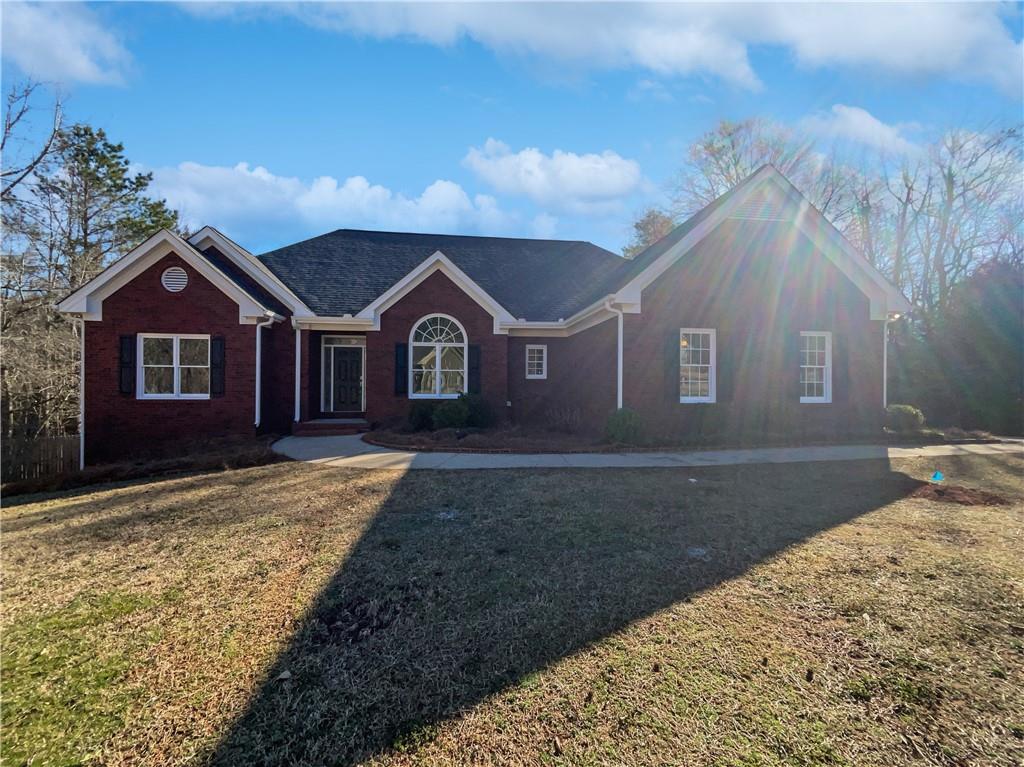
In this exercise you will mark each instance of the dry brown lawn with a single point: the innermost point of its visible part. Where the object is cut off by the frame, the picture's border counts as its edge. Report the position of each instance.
(798, 614)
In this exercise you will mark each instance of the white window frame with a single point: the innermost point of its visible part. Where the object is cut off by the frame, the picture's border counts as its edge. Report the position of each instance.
(712, 368)
(543, 349)
(436, 394)
(827, 399)
(140, 378)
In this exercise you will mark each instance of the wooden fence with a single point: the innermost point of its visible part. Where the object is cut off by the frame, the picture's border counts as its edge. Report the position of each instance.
(33, 458)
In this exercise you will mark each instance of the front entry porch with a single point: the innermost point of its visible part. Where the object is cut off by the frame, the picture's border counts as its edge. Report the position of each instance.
(330, 427)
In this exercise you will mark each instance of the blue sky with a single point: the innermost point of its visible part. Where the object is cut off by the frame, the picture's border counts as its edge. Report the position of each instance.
(279, 122)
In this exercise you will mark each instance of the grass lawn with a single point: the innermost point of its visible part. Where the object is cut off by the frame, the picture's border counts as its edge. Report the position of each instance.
(797, 614)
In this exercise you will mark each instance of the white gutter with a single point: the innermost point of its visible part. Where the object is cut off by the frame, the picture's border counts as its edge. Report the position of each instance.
(259, 366)
(618, 366)
(298, 372)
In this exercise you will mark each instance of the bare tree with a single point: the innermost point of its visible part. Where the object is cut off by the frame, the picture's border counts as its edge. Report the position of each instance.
(68, 209)
(15, 167)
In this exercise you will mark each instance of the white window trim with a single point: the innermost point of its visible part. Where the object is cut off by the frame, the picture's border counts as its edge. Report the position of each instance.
(543, 361)
(712, 373)
(140, 381)
(437, 365)
(827, 399)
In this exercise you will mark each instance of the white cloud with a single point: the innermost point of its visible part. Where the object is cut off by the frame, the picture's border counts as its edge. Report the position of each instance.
(587, 183)
(62, 42)
(964, 41)
(251, 199)
(859, 126)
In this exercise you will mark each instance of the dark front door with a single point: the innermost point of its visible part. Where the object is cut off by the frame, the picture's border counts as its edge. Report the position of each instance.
(346, 379)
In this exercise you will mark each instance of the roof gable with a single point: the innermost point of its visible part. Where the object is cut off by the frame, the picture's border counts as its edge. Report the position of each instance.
(438, 262)
(88, 299)
(765, 195)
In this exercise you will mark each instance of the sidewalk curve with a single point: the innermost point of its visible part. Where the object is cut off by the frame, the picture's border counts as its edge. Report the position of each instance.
(352, 452)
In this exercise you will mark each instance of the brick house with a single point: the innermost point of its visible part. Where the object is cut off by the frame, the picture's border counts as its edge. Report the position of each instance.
(753, 316)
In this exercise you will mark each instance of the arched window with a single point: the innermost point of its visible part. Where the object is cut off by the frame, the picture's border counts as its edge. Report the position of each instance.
(437, 358)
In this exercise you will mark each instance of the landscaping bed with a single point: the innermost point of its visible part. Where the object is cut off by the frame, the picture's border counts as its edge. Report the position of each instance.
(527, 439)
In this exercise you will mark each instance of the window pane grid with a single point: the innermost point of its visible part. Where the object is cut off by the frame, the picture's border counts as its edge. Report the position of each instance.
(174, 366)
(815, 366)
(536, 361)
(438, 358)
(696, 365)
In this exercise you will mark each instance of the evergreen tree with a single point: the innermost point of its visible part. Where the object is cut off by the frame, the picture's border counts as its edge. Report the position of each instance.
(74, 215)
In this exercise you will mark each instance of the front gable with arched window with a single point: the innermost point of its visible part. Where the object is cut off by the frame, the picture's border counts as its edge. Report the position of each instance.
(435, 343)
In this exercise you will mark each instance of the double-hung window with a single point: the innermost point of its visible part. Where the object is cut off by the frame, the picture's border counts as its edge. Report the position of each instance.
(815, 366)
(536, 361)
(696, 365)
(174, 366)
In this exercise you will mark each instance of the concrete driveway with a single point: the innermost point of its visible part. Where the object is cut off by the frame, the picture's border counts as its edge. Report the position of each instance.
(352, 452)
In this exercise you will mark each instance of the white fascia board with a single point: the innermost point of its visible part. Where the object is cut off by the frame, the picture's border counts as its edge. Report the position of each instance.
(87, 301)
(252, 266)
(334, 323)
(631, 293)
(882, 294)
(438, 262)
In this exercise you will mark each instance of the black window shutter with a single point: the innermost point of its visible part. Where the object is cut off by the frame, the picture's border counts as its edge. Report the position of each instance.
(725, 369)
(474, 369)
(217, 366)
(840, 370)
(672, 365)
(401, 368)
(126, 365)
(791, 359)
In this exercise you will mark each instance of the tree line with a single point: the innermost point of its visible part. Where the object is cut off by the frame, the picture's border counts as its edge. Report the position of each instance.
(943, 222)
(70, 204)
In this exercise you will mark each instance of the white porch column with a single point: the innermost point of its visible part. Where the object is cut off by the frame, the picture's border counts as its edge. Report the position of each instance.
(298, 374)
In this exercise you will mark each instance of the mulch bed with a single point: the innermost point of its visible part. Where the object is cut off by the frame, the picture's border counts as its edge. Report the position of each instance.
(965, 496)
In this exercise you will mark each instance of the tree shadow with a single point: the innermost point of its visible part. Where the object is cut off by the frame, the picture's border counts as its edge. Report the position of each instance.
(465, 582)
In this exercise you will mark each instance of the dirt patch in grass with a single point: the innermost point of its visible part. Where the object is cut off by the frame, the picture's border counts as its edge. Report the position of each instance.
(965, 496)
(798, 614)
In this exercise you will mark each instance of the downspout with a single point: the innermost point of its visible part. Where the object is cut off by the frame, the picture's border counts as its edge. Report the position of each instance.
(885, 363)
(618, 365)
(81, 397)
(259, 365)
(298, 373)
(889, 317)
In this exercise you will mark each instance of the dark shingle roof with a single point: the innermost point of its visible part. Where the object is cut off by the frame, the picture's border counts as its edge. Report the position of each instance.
(243, 280)
(540, 280)
(343, 271)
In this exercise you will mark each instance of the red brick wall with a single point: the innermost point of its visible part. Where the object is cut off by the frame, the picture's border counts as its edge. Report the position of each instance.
(436, 294)
(278, 378)
(581, 377)
(758, 285)
(119, 425)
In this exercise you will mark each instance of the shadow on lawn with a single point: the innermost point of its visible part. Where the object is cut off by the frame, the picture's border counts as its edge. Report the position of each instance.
(467, 581)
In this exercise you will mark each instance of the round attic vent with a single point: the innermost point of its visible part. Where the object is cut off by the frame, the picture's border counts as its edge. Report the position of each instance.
(174, 279)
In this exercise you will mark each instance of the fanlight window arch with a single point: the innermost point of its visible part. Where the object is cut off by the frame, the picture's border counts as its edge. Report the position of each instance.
(437, 358)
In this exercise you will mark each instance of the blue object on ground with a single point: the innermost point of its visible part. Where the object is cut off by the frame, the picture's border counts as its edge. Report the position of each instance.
(937, 476)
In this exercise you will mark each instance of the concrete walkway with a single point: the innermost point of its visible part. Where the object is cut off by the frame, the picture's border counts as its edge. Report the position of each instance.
(352, 452)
